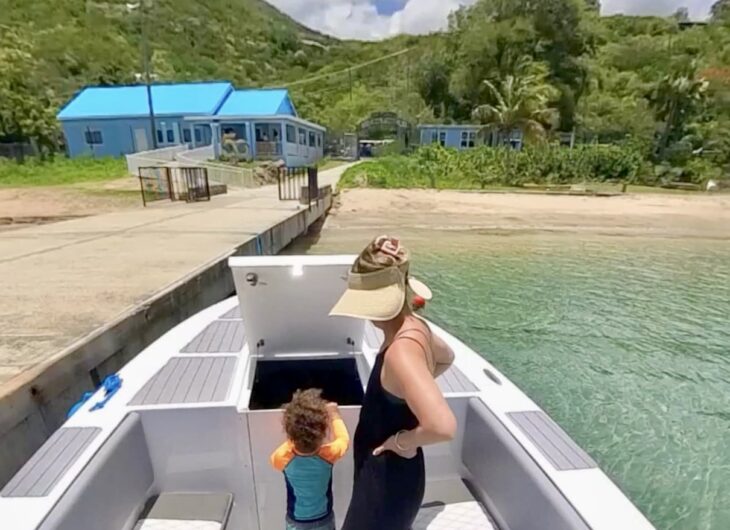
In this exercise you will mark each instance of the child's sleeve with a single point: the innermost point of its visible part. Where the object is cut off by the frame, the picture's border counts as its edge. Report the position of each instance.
(336, 449)
(282, 456)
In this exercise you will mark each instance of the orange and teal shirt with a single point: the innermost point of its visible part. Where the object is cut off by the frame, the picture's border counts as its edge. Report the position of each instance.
(309, 478)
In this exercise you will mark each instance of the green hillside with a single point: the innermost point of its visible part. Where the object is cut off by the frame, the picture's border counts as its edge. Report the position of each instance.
(54, 47)
(546, 66)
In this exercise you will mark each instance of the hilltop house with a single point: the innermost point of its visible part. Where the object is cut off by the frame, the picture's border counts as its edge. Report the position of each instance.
(466, 136)
(114, 121)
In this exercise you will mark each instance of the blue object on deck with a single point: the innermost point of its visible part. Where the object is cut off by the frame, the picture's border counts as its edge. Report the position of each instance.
(80, 403)
(111, 386)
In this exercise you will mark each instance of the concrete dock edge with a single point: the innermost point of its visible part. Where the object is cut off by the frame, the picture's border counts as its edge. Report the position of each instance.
(35, 404)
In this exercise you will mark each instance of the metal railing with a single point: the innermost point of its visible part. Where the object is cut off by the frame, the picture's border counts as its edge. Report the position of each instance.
(196, 181)
(155, 184)
(298, 184)
(189, 184)
(268, 149)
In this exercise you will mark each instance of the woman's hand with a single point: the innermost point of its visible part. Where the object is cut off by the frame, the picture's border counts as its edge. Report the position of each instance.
(391, 445)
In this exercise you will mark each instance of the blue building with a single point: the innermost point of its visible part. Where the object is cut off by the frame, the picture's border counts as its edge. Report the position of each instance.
(466, 136)
(269, 124)
(455, 136)
(114, 121)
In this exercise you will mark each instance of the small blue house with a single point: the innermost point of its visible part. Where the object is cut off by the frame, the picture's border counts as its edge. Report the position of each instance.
(114, 121)
(455, 136)
(466, 136)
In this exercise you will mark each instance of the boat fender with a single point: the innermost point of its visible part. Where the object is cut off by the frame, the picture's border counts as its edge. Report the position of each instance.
(111, 386)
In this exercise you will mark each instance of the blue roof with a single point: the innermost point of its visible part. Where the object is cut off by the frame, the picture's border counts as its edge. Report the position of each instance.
(131, 101)
(261, 102)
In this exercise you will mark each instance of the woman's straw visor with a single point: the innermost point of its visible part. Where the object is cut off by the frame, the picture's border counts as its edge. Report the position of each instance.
(377, 296)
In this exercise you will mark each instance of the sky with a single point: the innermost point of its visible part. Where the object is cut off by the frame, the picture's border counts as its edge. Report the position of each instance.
(376, 19)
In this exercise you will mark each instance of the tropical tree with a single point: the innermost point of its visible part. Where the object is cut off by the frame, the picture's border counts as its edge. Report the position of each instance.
(433, 85)
(27, 110)
(681, 15)
(720, 10)
(519, 102)
(676, 100)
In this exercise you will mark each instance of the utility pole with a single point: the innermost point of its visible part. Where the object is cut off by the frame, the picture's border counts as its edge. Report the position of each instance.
(408, 75)
(146, 66)
(350, 74)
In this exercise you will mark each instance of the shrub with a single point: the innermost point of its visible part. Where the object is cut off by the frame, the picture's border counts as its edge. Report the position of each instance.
(437, 167)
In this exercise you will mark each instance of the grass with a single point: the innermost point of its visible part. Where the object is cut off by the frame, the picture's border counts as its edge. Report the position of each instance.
(60, 171)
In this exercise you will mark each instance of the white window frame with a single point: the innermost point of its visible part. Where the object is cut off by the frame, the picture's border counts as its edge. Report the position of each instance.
(468, 139)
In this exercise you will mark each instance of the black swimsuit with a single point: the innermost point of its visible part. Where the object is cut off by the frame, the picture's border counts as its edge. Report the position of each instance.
(388, 489)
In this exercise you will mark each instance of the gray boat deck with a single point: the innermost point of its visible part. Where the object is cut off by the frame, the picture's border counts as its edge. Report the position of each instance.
(552, 441)
(38, 476)
(449, 505)
(188, 380)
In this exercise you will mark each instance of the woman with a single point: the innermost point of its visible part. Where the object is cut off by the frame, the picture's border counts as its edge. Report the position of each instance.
(403, 409)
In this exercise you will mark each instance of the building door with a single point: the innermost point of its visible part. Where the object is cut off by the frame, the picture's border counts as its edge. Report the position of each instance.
(140, 139)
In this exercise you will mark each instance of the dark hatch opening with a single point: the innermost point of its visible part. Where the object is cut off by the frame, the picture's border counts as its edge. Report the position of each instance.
(276, 381)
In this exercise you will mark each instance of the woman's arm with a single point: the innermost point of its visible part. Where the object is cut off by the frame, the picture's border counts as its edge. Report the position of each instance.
(443, 355)
(410, 378)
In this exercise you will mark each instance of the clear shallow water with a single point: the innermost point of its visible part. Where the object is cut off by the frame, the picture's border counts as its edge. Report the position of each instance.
(624, 341)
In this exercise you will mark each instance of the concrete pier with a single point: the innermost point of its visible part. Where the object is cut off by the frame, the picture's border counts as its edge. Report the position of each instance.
(80, 298)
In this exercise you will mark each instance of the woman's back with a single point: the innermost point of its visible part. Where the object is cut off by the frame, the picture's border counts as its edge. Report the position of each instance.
(388, 488)
(382, 415)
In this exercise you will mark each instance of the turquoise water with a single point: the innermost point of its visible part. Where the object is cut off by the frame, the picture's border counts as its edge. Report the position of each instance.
(624, 341)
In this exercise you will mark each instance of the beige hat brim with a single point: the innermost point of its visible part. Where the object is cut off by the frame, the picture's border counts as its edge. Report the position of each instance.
(378, 305)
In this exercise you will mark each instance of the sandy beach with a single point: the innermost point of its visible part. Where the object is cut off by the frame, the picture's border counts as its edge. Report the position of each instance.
(703, 216)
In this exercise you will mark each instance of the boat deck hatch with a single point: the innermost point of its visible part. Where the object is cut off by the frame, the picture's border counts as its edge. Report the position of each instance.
(276, 381)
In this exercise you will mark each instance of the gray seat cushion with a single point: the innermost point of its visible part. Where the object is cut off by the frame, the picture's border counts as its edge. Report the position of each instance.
(202, 511)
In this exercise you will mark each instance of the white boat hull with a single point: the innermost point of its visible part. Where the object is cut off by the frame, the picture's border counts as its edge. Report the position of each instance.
(198, 414)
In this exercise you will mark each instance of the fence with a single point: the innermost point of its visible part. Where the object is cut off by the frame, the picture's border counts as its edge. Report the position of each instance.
(231, 176)
(189, 184)
(18, 151)
(155, 184)
(298, 184)
(196, 181)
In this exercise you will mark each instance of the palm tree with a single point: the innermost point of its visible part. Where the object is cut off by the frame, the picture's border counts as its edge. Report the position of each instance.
(519, 102)
(675, 99)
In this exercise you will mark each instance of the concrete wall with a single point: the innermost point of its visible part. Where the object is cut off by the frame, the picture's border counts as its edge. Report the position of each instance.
(37, 406)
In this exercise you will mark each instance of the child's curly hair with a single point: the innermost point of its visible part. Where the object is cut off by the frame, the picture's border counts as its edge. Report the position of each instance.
(306, 420)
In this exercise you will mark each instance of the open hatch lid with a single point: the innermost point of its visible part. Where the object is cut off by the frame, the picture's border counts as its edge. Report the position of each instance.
(285, 304)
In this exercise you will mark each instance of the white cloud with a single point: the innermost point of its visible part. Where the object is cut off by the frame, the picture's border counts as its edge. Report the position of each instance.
(698, 9)
(359, 19)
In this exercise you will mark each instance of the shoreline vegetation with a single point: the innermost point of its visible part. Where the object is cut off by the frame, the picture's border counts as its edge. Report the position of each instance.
(586, 169)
